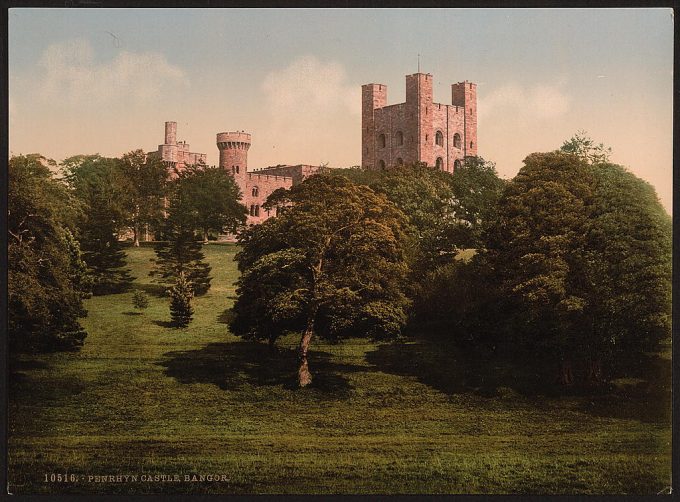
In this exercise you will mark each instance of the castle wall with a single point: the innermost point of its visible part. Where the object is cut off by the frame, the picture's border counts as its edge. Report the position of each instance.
(264, 184)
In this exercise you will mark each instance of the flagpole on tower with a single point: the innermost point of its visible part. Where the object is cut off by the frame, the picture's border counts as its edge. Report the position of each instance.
(418, 63)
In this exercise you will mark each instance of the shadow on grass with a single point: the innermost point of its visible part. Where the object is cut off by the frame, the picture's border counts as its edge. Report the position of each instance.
(157, 290)
(132, 313)
(230, 366)
(453, 371)
(164, 324)
(226, 316)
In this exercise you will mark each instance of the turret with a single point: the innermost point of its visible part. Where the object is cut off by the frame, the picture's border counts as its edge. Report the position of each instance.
(233, 148)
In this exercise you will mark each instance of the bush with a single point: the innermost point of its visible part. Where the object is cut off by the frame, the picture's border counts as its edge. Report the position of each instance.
(140, 300)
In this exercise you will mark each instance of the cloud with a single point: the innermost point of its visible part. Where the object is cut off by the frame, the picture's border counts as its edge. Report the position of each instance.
(311, 87)
(538, 102)
(71, 73)
(308, 103)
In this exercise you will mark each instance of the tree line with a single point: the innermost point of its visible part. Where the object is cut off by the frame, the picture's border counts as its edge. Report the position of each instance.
(566, 267)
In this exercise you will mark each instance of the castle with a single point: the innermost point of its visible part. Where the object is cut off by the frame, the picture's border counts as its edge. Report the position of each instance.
(419, 130)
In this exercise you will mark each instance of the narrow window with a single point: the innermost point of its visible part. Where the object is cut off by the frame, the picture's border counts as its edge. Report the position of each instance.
(255, 192)
(440, 163)
(257, 210)
(472, 144)
(236, 169)
(252, 210)
(400, 161)
(457, 164)
(439, 139)
(382, 164)
(400, 138)
(381, 141)
(456, 141)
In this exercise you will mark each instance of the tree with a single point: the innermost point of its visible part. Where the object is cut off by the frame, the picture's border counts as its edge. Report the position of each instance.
(628, 267)
(46, 279)
(147, 177)
(583, 255)
(181, 294)
(535, 246)
(476, 191)
(581, 145)
(104, 193)
(212, 196)
(140, 300)
(331, 265)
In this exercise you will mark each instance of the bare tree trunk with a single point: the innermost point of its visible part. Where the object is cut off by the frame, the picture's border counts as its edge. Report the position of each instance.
(565, 376)
(594, 371)
(135, 231)
(205, 236)
(304, 376)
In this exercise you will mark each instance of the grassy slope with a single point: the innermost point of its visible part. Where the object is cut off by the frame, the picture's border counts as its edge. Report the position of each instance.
(142, 398)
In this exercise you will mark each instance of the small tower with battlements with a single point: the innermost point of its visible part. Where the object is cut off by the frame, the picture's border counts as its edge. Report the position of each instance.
(233, 147)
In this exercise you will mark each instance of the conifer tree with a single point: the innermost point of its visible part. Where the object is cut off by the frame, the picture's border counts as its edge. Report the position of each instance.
(181, 310)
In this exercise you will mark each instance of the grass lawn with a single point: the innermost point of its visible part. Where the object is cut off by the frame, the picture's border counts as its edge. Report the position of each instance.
(142, 398)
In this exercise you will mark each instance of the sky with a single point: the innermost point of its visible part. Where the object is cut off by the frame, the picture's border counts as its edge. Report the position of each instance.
(104, 81)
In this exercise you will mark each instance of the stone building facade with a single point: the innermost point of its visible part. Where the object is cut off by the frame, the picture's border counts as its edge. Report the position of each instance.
(418, 130)
(176, 154)
(256, 185)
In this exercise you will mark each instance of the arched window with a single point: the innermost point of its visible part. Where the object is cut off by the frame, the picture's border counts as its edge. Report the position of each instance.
(400, 161)
(257, 210)
(399, 138)
(440, 163)
(439, 139)
(256, 191)
(252, 210)
(472, 144)
(381, 141)
(236, 169)
(277, 211)
(381, 164)
(457, 164)
(456, 141)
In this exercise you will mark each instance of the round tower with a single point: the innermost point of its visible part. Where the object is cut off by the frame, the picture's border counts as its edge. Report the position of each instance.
(171, 133)
(233, 148)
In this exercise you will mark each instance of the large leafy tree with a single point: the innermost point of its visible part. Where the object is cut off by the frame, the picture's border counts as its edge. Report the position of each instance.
(212, 196)
(147, 177)
(536, 244)
(331, 265)
(106, 195)
(627, 266)
(46, 279)
(582, 253)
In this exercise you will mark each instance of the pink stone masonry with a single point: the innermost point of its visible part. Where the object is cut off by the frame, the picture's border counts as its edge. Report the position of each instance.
(418, 130)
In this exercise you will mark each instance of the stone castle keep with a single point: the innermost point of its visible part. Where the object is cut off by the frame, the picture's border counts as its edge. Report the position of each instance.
(419, 130)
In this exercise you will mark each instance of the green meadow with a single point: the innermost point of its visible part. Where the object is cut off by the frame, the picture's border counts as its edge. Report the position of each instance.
(144, 399)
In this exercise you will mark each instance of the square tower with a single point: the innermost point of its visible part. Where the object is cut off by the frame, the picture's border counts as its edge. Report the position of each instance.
(464, 94)
(418, 120)
(373, 96)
